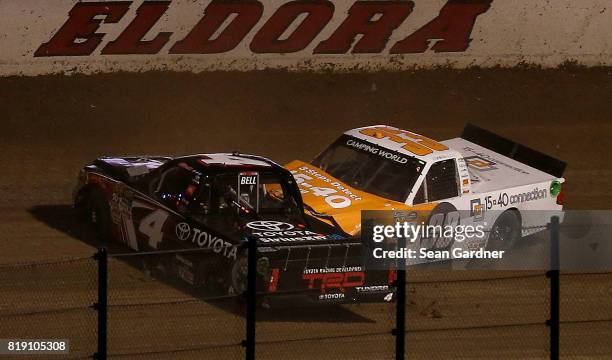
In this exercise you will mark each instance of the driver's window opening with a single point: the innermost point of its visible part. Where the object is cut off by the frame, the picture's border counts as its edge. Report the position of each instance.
(244, 193)
(176, 188)
(442, 181)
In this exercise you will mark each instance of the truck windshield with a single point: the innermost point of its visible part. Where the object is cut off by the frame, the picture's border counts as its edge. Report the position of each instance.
(251, 192)
(369, 168)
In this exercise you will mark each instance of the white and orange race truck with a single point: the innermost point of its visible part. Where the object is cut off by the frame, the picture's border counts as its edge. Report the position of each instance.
(478, 178)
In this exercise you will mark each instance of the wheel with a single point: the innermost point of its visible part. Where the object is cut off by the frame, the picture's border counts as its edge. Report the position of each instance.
(442, 215)
(505, 232)
(238, 275)
(98, 214)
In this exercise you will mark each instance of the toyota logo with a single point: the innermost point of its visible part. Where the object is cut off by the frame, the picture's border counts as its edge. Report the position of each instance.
(182, 230)
(269, 225)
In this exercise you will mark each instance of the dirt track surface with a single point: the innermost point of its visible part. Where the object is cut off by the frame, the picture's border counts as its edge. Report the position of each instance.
(51, 126)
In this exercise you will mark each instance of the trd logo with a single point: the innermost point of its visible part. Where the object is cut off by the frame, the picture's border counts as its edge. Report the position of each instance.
(339, 281)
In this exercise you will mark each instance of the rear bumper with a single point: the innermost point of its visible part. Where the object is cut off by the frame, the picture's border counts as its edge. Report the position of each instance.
(316, 298)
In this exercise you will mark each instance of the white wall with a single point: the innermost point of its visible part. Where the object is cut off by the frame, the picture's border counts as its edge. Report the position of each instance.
(543, 32)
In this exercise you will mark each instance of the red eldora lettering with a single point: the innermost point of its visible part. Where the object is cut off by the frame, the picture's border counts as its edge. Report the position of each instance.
(291, 28)
(130, 41)
(375, 33)
(267, 39)
(451, 28)
(199, 41)
(78, 36)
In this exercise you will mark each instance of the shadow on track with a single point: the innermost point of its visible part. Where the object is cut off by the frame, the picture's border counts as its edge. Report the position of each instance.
(62, 218)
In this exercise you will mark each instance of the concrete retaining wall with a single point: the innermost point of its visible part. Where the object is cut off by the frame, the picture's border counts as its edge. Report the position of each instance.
(66, 36)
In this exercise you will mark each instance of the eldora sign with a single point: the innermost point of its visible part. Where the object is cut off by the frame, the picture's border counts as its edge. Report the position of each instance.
(365, 27)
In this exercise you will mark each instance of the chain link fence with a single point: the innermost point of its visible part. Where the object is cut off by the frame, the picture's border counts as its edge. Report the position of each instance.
(155, 315)
(34, 302)
(502, 315)
(158, 309)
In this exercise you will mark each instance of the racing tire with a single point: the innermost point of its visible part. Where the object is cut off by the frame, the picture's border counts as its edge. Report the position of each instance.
(237, 283)
(238, 276)
(505, 232)
(98, 214)
(443, 209)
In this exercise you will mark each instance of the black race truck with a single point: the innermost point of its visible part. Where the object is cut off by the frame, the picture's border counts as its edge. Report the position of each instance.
(212, 204)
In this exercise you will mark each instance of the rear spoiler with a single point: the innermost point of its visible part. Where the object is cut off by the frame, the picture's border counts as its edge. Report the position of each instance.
(515, 151)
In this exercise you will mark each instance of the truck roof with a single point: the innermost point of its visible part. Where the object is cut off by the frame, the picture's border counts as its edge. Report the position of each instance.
(490, 171)
(124, 168)
(404, 142)
(231, 159)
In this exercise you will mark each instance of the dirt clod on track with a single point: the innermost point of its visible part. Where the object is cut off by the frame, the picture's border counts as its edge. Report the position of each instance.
(52, 125)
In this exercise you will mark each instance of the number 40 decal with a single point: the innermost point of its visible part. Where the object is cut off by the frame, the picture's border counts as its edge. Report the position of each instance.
(329, 194)
(152, 226)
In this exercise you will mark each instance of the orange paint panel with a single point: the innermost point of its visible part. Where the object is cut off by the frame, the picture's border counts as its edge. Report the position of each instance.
(419, 145)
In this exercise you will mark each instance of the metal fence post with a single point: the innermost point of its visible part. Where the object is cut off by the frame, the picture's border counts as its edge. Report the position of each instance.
(101, 305)
(251, 299)
(400, 310)
(553, 274)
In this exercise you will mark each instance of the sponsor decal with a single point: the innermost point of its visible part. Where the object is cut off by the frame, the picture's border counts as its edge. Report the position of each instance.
(372, 288)
(336, 296)
(535, 194)
(404, 216)
(337, 196)
(480, 164)
(389, 155)
(414, 143)
(504, 199)
(338, 279)
(288, 236)
(485, 162)
(121, 204)
(184, 232)
(270, 231)
(269, 225)
(292, 26)
(476, 210)
(248, 179)
(332, 270)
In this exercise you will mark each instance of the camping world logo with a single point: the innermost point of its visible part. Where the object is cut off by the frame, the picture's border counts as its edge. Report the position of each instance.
(182, 231)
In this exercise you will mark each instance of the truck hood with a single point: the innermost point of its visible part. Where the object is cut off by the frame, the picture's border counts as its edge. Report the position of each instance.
(283, 231)
(330, 196)
(272, 230)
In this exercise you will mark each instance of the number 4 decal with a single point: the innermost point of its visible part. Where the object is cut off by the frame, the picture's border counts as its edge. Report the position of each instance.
(152, 226)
